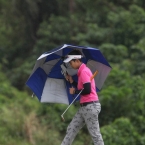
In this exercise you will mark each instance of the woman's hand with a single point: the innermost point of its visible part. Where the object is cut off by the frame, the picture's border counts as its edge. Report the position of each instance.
(69, 78)
(72, 90)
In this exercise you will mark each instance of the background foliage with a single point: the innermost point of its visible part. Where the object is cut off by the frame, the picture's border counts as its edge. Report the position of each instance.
(30, 28)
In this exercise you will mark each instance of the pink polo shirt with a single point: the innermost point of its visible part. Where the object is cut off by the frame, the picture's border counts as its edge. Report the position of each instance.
(84, 75)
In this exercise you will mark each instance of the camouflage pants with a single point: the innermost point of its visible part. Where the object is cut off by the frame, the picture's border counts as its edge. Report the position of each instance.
(86, 115)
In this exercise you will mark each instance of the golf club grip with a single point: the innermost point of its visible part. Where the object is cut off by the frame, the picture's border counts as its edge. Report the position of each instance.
(95, 73)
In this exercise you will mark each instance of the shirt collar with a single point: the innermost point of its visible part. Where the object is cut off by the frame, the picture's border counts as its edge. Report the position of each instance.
(81, 68)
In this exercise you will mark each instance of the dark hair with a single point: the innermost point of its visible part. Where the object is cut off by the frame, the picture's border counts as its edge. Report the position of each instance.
(75, 52)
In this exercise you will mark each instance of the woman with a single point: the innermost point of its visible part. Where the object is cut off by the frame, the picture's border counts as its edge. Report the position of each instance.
(89, 102)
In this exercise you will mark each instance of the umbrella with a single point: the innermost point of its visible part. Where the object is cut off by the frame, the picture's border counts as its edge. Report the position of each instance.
(47, 80)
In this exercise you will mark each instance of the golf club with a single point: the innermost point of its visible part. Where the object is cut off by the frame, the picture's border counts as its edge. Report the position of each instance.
(70, 105)
(96, 72)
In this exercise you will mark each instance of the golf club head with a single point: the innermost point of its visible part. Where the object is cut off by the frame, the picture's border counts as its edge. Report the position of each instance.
(62, 118)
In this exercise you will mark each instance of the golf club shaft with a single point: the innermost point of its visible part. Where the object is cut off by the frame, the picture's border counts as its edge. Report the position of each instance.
(71, 103)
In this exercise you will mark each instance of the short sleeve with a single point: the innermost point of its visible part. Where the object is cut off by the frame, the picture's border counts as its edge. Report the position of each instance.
(85, 77)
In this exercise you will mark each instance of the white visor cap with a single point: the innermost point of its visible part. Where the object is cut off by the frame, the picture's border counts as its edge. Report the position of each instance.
(70, 57)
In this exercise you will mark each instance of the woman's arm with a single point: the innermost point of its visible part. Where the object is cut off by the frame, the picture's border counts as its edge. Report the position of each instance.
(86, 90)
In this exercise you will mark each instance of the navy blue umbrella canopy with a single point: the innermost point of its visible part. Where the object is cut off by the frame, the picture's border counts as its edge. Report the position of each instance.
(47, 81)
